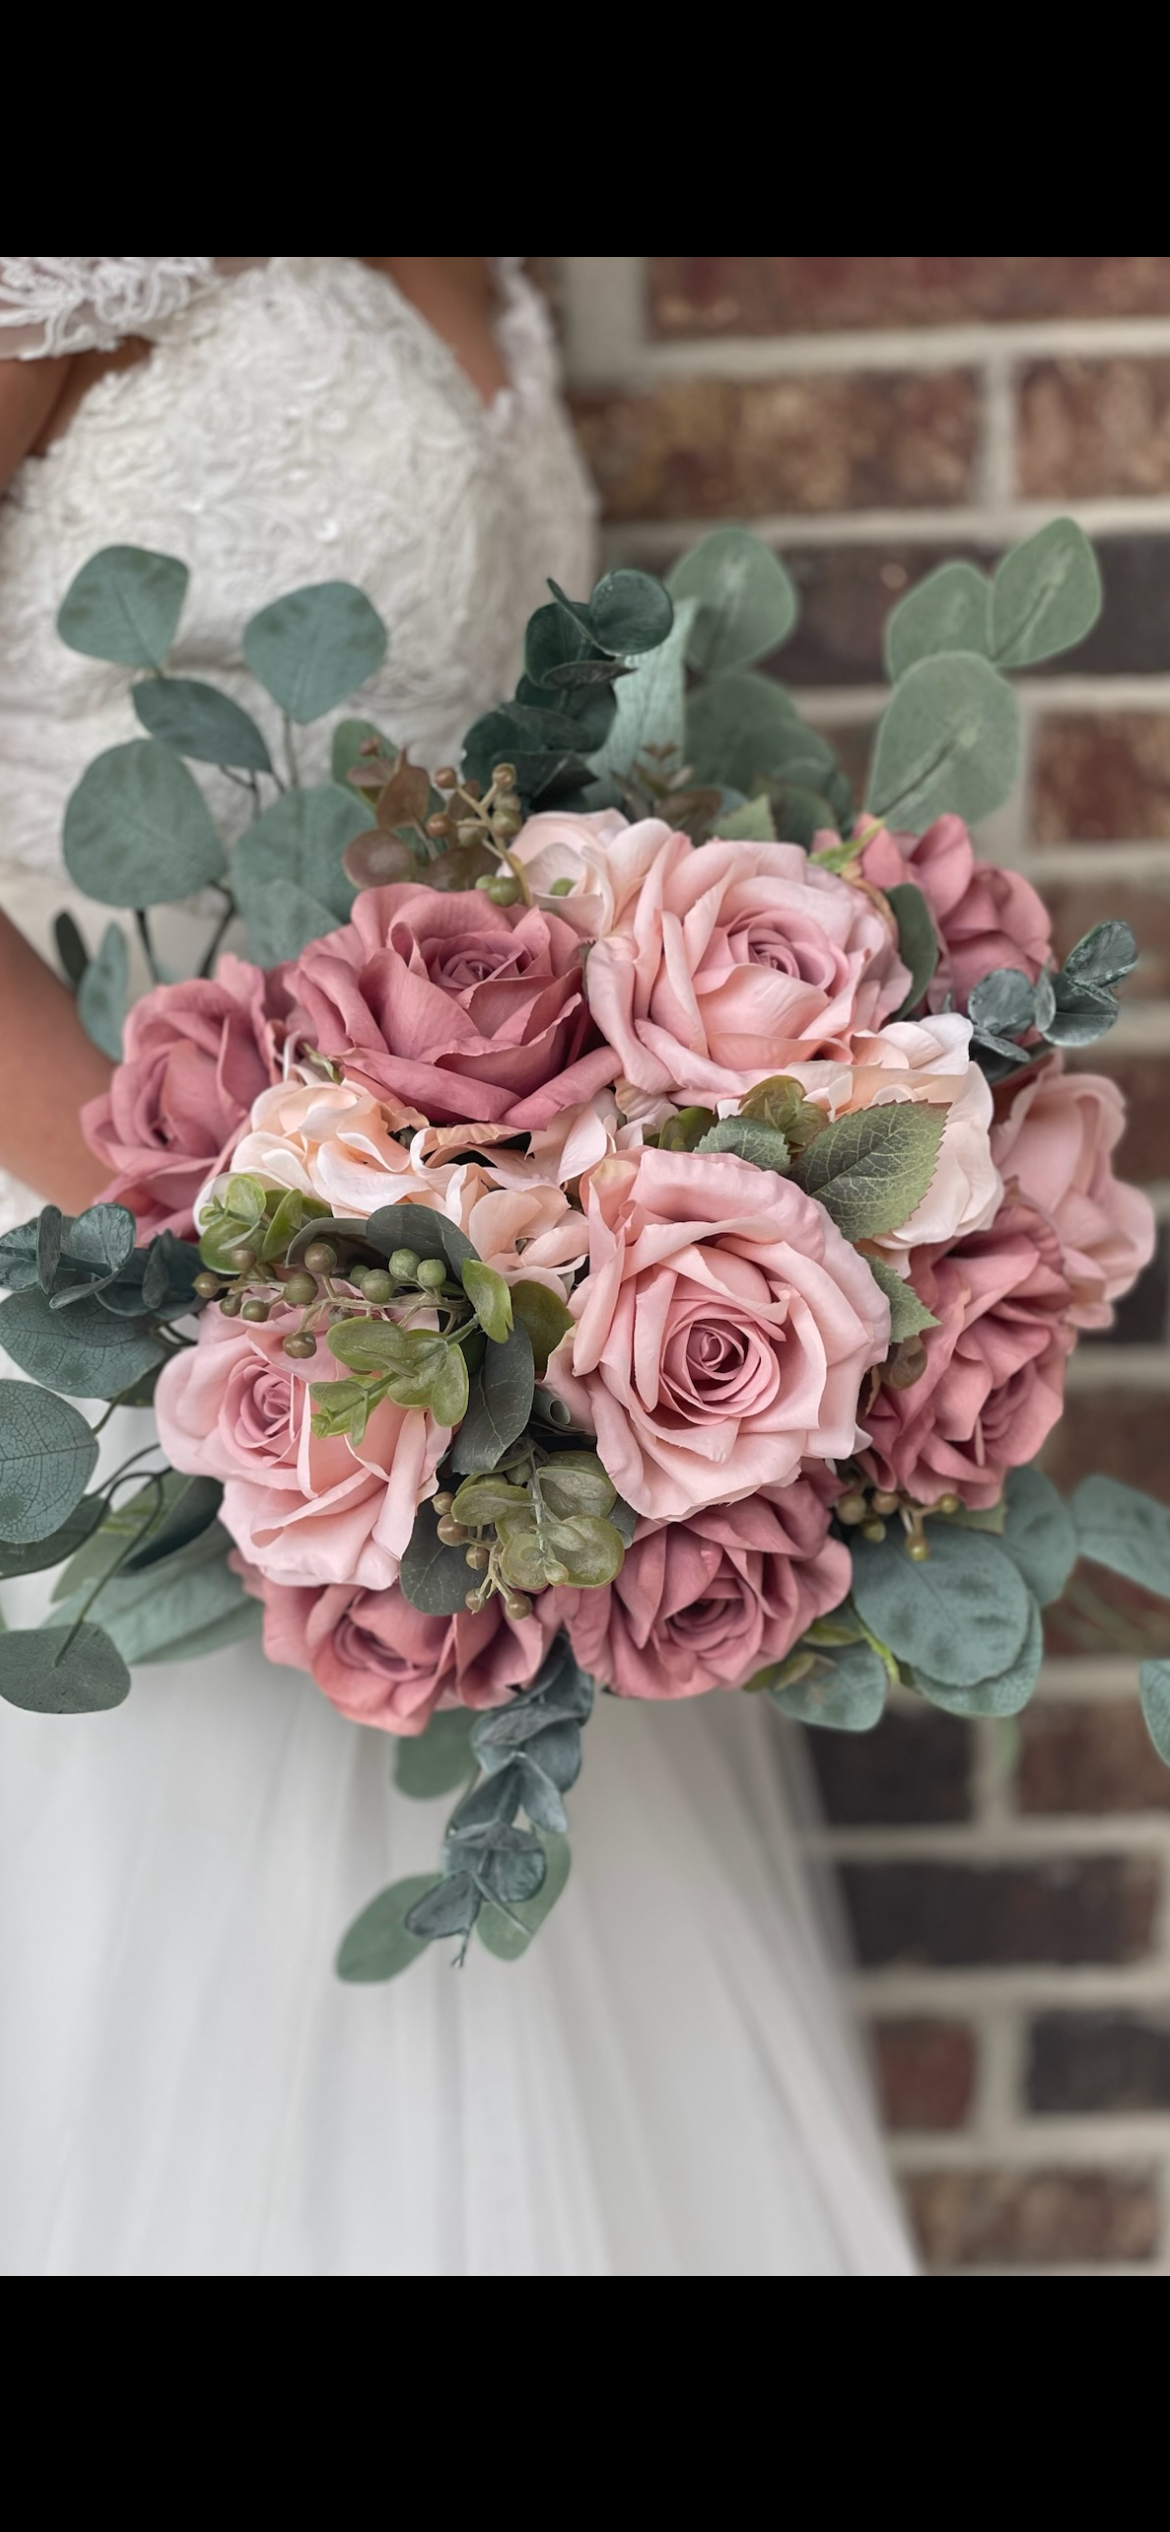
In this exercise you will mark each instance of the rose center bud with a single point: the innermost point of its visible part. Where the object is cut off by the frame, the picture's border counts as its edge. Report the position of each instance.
(264, 1416)
(715, 1370)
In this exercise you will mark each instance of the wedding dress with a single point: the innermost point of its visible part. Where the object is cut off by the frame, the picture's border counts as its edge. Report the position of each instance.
(666, 2085)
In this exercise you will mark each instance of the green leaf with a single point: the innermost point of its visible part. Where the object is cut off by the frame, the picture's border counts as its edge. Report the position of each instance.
(199, 722)
(490, 1298)
(948, 740)
(419, 1227)
(651, 704)
(591, 1549)
(42, 1554)
(947, 612)
(759, 1144)
(629, 613)
(125, 606)
(1039, 1533)
(376, 1346)
(546, 1319)
(1046, 597)
(448, 1908)
(501, 1403)
(781, 1103)
(1006, 1694)
(575, 1482)
(71, 949)
(44, 1673)
(870, 1171)
(753, 824)
(315, 647)
(508, 1940)
(843, 1688)
(378, 1946)
(439, 1762)
(124, 1522)
(1116, 1527)
(196, 1507)
(434, 1578)
(451, 1388)
(918, 945)
(908, 1315)
(288, 870)
(747, 602)
(164, 1614)
(684, 1132)
(1103, 957)
(47, 1457)
(349, 739)
(960, 1618)
(294, 1214)
(481, 1501)
(138, 831)
(738, 729)
(1003, 1004)
(85, 1351)
(1155, 1683)
(103, 996)
(102, 1237)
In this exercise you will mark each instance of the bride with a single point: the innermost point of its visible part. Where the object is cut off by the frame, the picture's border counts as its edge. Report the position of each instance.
(665, 2087)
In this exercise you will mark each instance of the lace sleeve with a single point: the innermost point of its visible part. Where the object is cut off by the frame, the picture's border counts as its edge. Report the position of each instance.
(51, 304)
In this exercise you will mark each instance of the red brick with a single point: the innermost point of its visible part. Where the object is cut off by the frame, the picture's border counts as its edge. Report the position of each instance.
(701, 448)
(1114, 1432)
(915, 1770)
(1098, 1760)
(780, 294)
(926, 2074)
(958, 1916)
(1083, 2064)
(1102, 777)
(1039, 2219)
(1093, 427)
(1076, 907)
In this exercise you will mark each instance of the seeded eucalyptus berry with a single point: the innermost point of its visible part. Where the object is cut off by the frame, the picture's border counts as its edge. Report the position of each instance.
(432, 1274)
(404, 1266)
(232, 1304)
(300, 1349)
(257, 1312)
(208, 1287)
(301, 1290)
(321, 1258)
(243, 1260)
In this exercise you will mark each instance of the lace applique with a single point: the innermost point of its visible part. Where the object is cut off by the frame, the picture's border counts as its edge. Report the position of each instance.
(51, 304)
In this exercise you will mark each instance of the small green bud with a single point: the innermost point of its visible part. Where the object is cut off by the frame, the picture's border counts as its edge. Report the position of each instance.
(442, 1506)
(484, 883)
(504, 777)
(376, 1285)
(301, 1290)
(208, 1287)
(321, 1258)
(479, 1559)
(874, 1531)
(453, 1534)
(518, 1606)
(503, 892)
(242, 1261)
(404, 1266)
(432, 1274)
(557, 1575)
(561, 888)
(257, 1312)
(300, 1349)
(232, 1304)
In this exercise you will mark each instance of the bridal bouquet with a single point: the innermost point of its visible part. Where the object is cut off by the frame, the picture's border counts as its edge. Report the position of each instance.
(623, 1227)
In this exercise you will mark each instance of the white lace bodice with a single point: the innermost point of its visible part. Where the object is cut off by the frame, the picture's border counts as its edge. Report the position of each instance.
(296, 421)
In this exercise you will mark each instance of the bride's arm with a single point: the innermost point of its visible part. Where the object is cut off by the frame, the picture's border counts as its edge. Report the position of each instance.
(49, 1067)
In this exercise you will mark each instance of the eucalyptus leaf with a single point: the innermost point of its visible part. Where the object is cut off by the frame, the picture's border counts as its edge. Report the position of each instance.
(349, 741)
(1003, 1003)
(42, 1554)
(138, 831)
(960, 1618)
(1039, 1533)
(948, 611)
(949, 740)
(1006, 1694)
(315, 647)
(421, 1228)
(918, 943)
(196, 1507)
(871, 1170)
(1116, 1527)
(753, 824)
(651, 704)
(448, 1907)
(540, 1797)
(1155, 1684)
(482, 1501)
(103, 995)
(908, 1315)
(1082, 1026)
(125, 605)
(439, 1761)
(508, 1940)
(85, 1351)
(162, 1615)
(738, 729)
(47, 1456)
(378, 1946)
(546, 1319)
(1046, 597)
(289, 867)
(747, 604)
(759, 1144)
(48, 1673)
(843, 1689)
(515, 1870)
(1103, 957)
(71, 949)
(576, 1482)
(630, 613)
(501, 1403)
(199, 722)
(434, 1578)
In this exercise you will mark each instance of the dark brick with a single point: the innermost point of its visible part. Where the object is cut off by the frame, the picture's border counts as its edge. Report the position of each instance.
(1117, 1432)
(1088, 428)
(1102, 777)
(1102, 1617)
(1083, 2063)
(781, 294)
(926, 2074)
(1077, 906)
(1143, 1318)
(958, 1916)
(1099, 1760)
(1021, 2219)
(700, 448)
(915, 1769)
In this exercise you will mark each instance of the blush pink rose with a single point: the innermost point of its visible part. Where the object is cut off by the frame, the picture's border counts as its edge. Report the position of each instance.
(197, 1056)
(381, 1662)
(985, 917)
(1056, 1145)
(596, 864)
(707, 1602)
(465, 1010)
(736, 960)
(722, 1333)
(993, 1383)
(302, 1508)
(927, 1062)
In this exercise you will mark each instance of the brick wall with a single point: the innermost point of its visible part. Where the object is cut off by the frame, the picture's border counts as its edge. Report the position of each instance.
(871, 415)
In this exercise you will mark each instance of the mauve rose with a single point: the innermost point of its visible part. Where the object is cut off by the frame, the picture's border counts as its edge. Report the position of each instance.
(465, 1010)
(1055, 1143)
(707, 1602)
(929, 1063)
(302, 1508)
(381, 1662)
(985, 917)
(197, 1056)
(733, 961)
(722, 1333)
(993, 1383)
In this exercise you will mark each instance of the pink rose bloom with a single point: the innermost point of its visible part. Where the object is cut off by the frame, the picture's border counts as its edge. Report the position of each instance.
(733, 962)
(197, 1056)
(1056, 1145)
(707, 1602)
(596, 865)
(722, 1333)
(462, 1009)
(929, 1063)
(985, 917)
(381, 1662)
(301, 1508)
(993, 1386)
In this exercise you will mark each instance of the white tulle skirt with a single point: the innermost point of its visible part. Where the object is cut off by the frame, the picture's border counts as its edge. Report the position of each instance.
(664, 2087)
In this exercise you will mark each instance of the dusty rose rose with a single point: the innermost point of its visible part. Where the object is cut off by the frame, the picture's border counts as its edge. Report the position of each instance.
(302, 1508)
(463, 1009)
(381, 1662)
(993, 1386)
(985, 917)
(722, 1333)
(928, 1062)
(706, 1602)
(597, 865)
(735, 961)
(197, 1056)
(1055, 1144)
